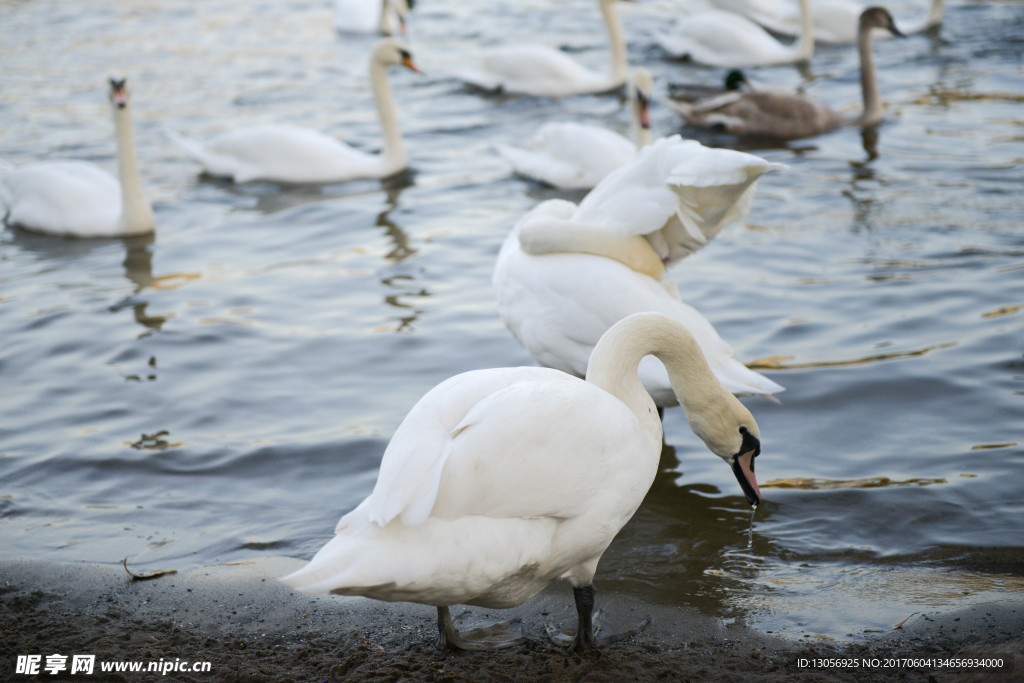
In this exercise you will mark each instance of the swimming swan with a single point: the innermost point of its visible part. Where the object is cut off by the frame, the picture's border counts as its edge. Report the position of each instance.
(578, 156)
(78, 198)
(548, 72)
(836, 21)
(726, 39)
(500, 482)
(788, 115)
(567, 273)
(386, 17)
(292, 154)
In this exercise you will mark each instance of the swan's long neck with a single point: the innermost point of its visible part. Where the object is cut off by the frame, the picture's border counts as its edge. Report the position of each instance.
(617, 42)
(555, 236)
(873, 111)
(395, 157)
(136, 213)
(614, 362)
(934, 15)
(805, 41)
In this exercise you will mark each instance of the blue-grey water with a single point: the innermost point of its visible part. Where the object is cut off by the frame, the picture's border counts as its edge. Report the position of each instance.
(222, 392)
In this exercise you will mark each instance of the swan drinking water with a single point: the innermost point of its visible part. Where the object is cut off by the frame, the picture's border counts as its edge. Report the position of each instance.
(547, 72)
(578, 156)
(789, 115)
(77, 198)
(567, 273)
(500, 482)
(292, 154)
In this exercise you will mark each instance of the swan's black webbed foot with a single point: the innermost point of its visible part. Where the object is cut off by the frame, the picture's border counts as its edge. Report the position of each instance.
(492, 637)
(589, 625)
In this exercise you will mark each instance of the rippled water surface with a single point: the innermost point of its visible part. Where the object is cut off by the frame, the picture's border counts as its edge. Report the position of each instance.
(223, 392)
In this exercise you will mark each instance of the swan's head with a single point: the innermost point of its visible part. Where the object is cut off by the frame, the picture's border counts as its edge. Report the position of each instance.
(641, 87)
(119, 92)
(729, 430)
(878, 17)
(392, 52)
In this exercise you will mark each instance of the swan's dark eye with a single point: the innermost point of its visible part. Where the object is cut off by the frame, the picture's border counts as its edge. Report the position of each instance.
(750, 442)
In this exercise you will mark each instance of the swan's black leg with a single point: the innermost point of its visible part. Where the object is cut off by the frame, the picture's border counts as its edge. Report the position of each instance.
(586, 629)
(584, 597)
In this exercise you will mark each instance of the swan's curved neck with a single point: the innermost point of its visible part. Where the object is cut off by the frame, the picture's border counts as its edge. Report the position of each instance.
(395, 157)
(616, 41)
(873, 111)
(556, 236)
(934, 15)
(805, 41)
(614, 362)
(136, 213)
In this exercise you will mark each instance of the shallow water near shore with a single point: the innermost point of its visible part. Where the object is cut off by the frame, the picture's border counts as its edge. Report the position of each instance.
(222, 392)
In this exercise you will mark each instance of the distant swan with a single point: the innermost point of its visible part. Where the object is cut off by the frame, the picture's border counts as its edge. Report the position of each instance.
(567, 273)
(726, 39)
(572, 155)
(77, 198)
(835, 21)
(788, 115)
(545, 71)
(386, 17)
(500, 482)
(292, 154)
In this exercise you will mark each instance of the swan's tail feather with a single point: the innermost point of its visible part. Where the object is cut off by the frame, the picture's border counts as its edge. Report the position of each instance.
(439, 562)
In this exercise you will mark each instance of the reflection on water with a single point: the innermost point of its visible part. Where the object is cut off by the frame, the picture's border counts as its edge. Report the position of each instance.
(225, 389)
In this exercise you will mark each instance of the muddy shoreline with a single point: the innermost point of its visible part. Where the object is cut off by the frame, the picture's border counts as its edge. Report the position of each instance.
(249, 627)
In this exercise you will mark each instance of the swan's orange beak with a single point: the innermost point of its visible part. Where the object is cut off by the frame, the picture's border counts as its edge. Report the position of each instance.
(409, 64)
(743, 467)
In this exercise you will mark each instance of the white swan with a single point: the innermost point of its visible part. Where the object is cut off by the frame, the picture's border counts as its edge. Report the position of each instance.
(567, 273)
(77, 198)
(500, 482)
(292, 154)
(726, 39)
(545, 71)
(788, 115)
(576, 156)
(386, 17)
(835, 21)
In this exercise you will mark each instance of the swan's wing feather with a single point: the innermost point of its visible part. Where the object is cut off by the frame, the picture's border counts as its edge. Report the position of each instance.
(278, 152)
(570, 155)
(63, 197)
(678, 193)
(533, 70)
(412, 465)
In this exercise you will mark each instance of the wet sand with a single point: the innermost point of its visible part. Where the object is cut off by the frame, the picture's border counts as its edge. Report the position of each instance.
(250, 627)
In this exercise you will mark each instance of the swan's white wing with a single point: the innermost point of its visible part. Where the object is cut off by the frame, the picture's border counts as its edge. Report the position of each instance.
(678, 193)
(357, 16)
(534, 70)
(724, 39)
(410, 471)
(569, 155)
(280, 152)
(63, 198)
